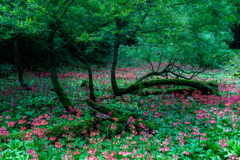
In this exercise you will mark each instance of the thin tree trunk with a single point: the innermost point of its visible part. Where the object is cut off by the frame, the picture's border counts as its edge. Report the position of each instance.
(237, 37)
(18, 65)
(120, 25)
(114, 62)
(92, 96)
(85, 61)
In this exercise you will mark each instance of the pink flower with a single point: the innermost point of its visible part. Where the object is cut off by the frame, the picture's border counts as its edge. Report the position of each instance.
(58, 144)
(31, 151)
(8, 117)
(146, 113)
(166, 149)
(187, 122)
(186, 152)
(124, 153)
(66, 128)
(196, 132)
(203, 138)
(162, 149)
(67, 157)
(141, 155)
(223, 142)
(199, 116)
(34, 155)
(92, 151)
(213, 121)
(52, 138)
(143, 139)
(84, 131)
(93, 157)
(11, 124)
(204, 134)
(70, 118)
(175, 156)
(113, 126)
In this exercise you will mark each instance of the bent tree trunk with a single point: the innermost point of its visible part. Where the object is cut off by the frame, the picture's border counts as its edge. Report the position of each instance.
(204, 87)
(114, 62)
(62, 95)
(18, 65)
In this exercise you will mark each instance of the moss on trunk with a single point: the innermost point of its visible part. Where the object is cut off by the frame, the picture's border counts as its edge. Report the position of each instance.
(62, 95)
(58, 130)
(147, 92)
(205, 87)
(78, 127)
(121, 118)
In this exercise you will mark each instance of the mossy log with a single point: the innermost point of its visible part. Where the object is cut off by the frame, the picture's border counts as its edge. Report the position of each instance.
(205, 87)
(105, 110)
(147, 92)
(58, 130)
(121, 118)
(89, 124)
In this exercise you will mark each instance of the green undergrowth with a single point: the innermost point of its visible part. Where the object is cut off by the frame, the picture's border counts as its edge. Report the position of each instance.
(157, 126)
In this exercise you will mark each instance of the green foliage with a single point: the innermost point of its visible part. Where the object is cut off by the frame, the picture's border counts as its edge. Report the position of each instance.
(232, 64)
(85, 83)
(192, 32)
(6, 69)
(185, 31)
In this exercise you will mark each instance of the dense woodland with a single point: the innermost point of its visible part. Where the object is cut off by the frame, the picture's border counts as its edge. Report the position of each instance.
(119, 79)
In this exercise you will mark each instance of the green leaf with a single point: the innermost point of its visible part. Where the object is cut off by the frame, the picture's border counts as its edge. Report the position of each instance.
(29, 113)
(19, 115)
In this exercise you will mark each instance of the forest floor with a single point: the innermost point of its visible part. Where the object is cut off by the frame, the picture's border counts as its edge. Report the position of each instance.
(189, 127)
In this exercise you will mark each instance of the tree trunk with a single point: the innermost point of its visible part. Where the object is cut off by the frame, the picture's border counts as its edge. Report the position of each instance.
(62, 95)
(85, 61)
(114, 62)
(92, 96)
(204, 87)
(18, 65)
(237, 37)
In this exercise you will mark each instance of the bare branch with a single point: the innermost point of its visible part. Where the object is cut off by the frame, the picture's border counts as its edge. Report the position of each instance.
(150, 74)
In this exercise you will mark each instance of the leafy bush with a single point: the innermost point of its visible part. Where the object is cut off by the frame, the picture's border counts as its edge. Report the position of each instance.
(6, 69)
